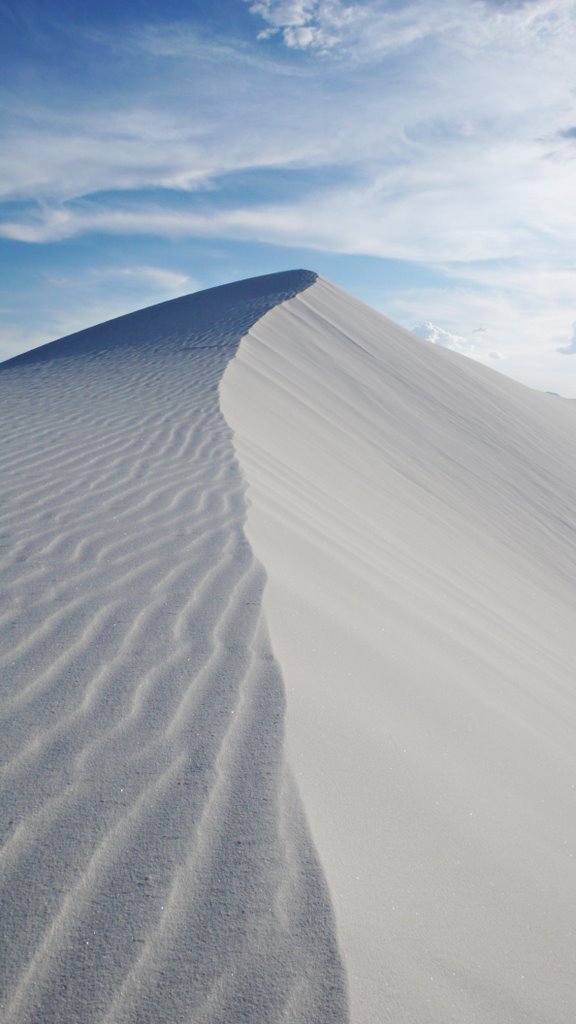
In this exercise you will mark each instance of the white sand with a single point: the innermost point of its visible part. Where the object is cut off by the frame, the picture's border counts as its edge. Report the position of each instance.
(155, 863)
(415, 516)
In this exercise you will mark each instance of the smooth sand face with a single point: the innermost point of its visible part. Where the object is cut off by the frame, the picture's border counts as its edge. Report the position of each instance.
(414, 513)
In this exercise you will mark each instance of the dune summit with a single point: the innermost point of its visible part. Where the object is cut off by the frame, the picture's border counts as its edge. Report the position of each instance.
(288, 711)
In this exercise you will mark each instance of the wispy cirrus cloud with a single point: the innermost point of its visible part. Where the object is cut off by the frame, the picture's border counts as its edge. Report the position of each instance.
(169, 124)
(144, 277)
(454, 205)
(72, 301)
(367, 30)
(160, 278)
(401, 130)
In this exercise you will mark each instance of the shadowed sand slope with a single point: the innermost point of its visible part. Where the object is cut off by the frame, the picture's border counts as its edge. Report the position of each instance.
(155, 864)
(416, 517)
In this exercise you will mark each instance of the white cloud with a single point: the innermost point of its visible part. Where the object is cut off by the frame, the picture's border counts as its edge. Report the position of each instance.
(306, 24)
(365, 31)
(457, 342)
(522, 326)
(301, 37)
(570, 348)
(438, 336)
(158, 277)
(282, 13)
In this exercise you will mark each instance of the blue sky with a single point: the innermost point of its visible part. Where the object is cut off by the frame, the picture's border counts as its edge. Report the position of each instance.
(420, 155)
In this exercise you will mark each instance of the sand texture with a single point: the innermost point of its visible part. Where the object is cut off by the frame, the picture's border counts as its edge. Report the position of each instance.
(288, 716)
(156, 864)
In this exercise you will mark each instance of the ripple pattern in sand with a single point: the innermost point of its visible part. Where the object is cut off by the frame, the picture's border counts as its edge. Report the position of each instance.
(155, 863)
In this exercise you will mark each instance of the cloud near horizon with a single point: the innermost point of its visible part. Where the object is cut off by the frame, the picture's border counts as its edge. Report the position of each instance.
(570, 348)
(445, 339)
(457, 343)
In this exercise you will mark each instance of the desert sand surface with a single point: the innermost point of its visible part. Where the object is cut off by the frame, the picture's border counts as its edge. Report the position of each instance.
(288, 707)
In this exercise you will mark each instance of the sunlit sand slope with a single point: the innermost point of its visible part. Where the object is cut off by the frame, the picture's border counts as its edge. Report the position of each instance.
(155, 863)
(416, 517)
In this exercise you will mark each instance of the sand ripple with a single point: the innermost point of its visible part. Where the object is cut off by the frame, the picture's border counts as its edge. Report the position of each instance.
(155, 862)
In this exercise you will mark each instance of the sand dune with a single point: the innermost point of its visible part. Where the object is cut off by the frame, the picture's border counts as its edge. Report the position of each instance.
(288, 719)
